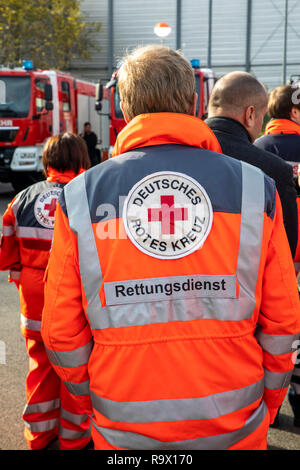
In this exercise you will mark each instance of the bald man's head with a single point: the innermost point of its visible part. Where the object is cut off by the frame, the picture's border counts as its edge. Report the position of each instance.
(236, 91)
(239, 95)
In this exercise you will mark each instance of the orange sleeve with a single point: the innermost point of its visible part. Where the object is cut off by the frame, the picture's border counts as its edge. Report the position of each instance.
(279, 319)
(9, 245)
(65, 329)
(297, 254)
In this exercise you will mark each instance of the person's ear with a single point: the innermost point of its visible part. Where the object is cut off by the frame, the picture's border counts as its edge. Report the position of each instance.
(295, 114)
(194, 105)
(249, 117)
(124, 112)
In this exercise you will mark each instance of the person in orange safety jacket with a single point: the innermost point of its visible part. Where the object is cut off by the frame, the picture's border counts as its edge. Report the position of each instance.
(25, 246)
(166, 314)
(282, 137)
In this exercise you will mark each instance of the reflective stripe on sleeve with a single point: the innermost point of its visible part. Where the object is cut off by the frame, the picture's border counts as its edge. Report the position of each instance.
(74, 358)
(150, 411)
(29, 324)
(42, 426)
(275, 344)
(34, 232)
(71, 434)
(134, 441)
(7, 230)
(277, 380)
(78, 389)
(42, 407)
(73, 417)
(252, 216)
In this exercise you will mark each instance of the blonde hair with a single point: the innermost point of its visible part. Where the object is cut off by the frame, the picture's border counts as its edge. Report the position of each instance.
(156, 79)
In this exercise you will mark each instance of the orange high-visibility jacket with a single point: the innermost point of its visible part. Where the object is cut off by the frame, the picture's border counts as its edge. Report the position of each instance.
(171, 304)
(26, 240)
(25, 247)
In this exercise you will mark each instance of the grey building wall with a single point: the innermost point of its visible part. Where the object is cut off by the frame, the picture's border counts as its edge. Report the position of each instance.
(236, 42)
(96, 67)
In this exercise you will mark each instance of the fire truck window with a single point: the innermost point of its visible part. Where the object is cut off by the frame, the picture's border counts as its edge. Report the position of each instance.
(206, 94)
(66, 99)
(14, 96)
(118, 111)
(40, 101)
(197, 89)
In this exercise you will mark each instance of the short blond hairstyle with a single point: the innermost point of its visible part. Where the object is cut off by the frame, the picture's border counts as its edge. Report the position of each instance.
(156, 79)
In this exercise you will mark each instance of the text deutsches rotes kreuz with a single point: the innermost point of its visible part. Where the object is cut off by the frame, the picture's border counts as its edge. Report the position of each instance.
(167, 215)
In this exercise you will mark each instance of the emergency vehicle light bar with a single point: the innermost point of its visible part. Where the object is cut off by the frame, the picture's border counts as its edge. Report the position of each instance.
(195, 63)
(27, 65)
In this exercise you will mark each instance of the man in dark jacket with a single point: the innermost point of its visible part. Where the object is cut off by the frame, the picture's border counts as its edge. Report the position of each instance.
(282, 133)
(91, 141)
(237, 106)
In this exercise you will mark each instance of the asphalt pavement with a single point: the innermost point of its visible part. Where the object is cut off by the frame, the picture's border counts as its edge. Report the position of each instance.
(14, 364)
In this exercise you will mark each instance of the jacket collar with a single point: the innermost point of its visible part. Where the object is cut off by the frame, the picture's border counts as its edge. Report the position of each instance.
(282, 126)
(229, 126)
(165, 128)
(55, 176)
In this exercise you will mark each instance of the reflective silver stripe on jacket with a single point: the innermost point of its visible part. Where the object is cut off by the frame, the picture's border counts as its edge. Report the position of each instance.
(34, 232)
(42, 426)
(7, 230)
(183, 409)
(133, 441)
(29, 324)
(275, 344)
(71, 434)
(277, 380)
(78, 389)
(252, 216)
(74, 358)
(74, 418)
(42, 407)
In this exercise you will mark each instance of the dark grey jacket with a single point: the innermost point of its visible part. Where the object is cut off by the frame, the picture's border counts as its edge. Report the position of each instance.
(235, 142)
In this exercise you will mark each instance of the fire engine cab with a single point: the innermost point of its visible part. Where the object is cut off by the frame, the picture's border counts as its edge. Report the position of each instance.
(35, 105)
(108, 105)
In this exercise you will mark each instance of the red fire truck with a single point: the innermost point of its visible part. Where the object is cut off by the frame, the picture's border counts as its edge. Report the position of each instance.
(35, 105)
(108, 105)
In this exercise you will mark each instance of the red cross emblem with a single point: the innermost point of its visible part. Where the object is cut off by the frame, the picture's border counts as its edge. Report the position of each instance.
(167, 215)
(51, 207)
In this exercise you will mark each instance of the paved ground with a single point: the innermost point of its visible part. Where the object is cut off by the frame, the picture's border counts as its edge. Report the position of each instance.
(13, 371)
